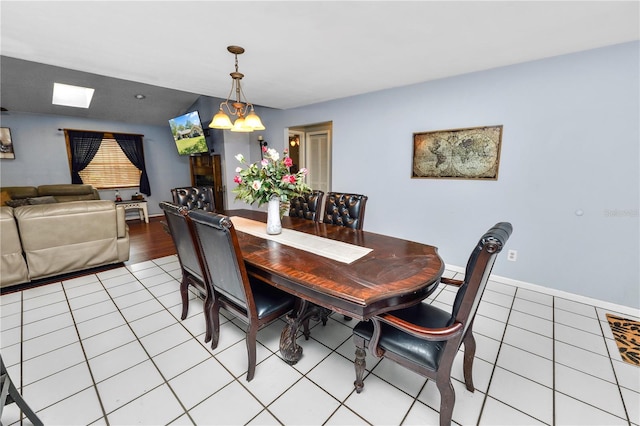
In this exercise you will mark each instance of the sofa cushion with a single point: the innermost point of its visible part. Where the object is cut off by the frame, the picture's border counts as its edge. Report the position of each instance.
(67, 237)
(82, 197)
(63, 192)
(47, 199)
(13, 268)
(69, 192)
(18, 202)
(21, 191)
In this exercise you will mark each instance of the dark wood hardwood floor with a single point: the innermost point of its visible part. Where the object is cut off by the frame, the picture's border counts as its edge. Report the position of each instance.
(149, 240)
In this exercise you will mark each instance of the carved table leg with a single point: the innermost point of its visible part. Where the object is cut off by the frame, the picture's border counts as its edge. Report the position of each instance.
(289, 349)
(360, 364)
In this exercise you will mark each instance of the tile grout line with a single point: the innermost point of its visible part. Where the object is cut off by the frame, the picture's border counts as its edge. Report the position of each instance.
(553, 360)
(84, 353)
(150, 358)
(415, 401)
(555, 391)
(21, 348)
(613, 369)
(332, 351)
(495, 363)
(555, 330)
(305, 375)
(370, 373)
(266, 407)
(213, 356)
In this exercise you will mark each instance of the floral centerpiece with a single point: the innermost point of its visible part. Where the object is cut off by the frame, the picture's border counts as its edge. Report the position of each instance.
(265, 180)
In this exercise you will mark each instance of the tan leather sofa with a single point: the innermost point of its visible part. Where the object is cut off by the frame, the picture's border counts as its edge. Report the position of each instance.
(60, 238)
(61, 192)
(13, 267)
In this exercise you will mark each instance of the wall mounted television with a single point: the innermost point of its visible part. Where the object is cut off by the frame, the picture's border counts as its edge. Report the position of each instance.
(188, 134)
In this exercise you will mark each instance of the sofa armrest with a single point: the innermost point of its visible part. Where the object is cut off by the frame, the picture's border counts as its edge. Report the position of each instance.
(121, 222)
(13, 268)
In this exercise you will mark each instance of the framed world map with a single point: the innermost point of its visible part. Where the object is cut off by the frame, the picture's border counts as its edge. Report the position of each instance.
(472, 153)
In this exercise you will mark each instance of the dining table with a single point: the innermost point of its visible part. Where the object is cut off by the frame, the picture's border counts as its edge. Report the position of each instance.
(331, 268)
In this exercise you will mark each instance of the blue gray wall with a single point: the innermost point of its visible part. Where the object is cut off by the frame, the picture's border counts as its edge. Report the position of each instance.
(570, 143)
(41, 154)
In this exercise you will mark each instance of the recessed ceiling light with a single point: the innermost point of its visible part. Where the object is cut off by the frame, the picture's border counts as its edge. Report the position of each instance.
(139, 96)
(73, 96)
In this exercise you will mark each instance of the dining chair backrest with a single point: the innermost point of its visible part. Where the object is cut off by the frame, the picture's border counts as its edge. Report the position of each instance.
(425, 338)
(254, 302)
(186, 249)
(307, 206)
(224, 265)
(344, 209)
(479, 267)
(199, 197)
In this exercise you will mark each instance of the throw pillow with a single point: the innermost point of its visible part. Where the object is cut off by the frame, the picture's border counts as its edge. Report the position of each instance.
(17, 203)
(47, 199)
(4, 197)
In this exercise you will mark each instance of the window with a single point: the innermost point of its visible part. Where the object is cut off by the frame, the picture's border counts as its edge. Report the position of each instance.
(109, 167)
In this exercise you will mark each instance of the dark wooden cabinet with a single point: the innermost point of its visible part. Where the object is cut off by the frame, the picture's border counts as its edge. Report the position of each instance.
(206, 170)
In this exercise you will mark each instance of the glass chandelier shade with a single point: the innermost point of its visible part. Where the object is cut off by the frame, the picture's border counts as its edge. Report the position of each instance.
(239, 108)
(221, 121)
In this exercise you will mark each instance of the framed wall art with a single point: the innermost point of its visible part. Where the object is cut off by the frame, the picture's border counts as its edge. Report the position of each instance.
(472, 153)
(6, 144)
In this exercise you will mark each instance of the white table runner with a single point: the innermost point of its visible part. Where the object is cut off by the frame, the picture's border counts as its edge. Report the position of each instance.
(332, 249)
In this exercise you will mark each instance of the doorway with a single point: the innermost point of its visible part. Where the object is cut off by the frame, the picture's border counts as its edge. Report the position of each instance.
(310, 147)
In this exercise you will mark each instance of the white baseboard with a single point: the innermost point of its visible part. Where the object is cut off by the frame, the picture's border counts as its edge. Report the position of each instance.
(559, 293)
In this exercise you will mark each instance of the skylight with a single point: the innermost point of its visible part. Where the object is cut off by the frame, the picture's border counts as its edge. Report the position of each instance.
(73, 96)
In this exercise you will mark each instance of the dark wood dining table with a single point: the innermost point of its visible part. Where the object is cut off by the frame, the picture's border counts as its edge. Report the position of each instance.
(396, 273)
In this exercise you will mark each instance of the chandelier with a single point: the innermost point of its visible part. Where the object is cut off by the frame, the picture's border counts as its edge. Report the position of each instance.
(245, 122)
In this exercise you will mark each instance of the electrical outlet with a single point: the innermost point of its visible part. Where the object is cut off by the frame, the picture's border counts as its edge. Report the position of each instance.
(512, 255)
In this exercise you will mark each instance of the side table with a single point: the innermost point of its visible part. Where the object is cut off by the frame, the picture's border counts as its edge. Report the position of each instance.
(140, 205)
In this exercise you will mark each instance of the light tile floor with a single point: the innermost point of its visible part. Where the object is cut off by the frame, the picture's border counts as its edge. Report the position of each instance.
(110, 348)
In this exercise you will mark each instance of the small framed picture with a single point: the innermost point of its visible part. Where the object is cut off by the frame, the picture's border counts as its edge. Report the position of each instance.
(6, 144)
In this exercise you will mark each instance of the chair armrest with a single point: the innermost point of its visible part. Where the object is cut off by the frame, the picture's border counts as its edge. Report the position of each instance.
(439, 334)
(451, 281)
(434, 334)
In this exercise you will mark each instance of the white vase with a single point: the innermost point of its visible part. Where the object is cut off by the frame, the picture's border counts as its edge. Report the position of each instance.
(274, 224)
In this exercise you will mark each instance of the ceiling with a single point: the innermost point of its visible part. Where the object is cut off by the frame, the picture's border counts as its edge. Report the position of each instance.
(297, 52)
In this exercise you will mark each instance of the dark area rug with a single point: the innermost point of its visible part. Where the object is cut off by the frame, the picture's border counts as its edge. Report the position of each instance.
(627, 335)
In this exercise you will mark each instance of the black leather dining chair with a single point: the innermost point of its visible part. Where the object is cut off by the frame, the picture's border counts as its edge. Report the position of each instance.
(307, 206)
(191, 264)
(344, 209)
(254, 302)
(425, 338)
(199, 197)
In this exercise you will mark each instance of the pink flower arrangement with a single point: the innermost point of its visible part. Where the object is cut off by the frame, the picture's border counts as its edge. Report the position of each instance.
(260, 181)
